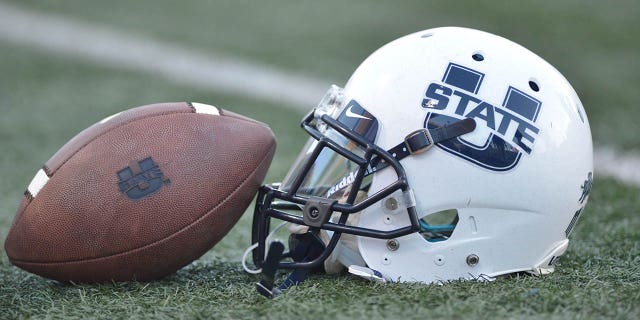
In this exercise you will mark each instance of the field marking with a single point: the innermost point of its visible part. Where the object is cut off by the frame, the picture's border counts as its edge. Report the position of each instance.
(108, 47)
(625, 167)
(103, 46)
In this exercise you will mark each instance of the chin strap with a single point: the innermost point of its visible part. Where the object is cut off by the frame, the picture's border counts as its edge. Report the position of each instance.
(423, 139)
(269, 268)
(306, 247)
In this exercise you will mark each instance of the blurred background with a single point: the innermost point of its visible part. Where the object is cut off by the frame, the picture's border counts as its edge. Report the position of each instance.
(67, 64)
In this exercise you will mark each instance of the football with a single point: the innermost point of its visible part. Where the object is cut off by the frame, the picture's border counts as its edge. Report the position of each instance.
(140, 194)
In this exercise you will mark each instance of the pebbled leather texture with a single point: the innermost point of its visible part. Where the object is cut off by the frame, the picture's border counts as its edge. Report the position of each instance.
(83, 227)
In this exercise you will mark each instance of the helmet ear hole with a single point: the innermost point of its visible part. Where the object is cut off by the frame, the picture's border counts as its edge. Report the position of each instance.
(439, 226)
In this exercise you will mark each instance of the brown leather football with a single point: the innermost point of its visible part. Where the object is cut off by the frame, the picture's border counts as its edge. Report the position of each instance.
(140, 194)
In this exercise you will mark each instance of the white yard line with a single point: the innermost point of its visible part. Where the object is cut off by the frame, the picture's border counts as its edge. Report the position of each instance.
(103, 46)
(625, 167)
(108, 47)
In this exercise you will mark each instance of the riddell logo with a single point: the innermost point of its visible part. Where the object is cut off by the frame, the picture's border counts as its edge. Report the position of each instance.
(346, 181)
(141, 178)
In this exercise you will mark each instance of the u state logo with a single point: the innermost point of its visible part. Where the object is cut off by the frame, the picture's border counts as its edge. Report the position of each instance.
(511, 126)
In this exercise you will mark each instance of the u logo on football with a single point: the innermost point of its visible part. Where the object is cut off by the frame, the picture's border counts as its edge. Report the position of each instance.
(141, 178)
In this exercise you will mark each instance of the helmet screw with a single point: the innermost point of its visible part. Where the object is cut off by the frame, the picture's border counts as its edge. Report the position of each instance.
(391, 204)
(393, 244)
(472, 260)
(314, 212)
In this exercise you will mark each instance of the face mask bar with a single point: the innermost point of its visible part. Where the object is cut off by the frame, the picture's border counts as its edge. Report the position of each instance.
(307, 250)
(266, 208)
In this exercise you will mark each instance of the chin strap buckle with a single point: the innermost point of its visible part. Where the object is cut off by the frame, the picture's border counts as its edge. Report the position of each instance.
(418, 141)
(422, 140)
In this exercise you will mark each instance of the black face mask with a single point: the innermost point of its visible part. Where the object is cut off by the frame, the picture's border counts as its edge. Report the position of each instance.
(336, 163)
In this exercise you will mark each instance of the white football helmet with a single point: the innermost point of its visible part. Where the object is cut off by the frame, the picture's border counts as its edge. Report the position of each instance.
(450, 154)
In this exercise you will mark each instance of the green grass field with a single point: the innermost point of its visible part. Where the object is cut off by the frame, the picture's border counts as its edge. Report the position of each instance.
(46, 99)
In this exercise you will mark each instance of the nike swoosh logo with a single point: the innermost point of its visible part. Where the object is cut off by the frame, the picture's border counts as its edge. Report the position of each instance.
(350, 114)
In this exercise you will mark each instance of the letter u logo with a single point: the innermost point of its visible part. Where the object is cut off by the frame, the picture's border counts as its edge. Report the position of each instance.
(495, 153)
